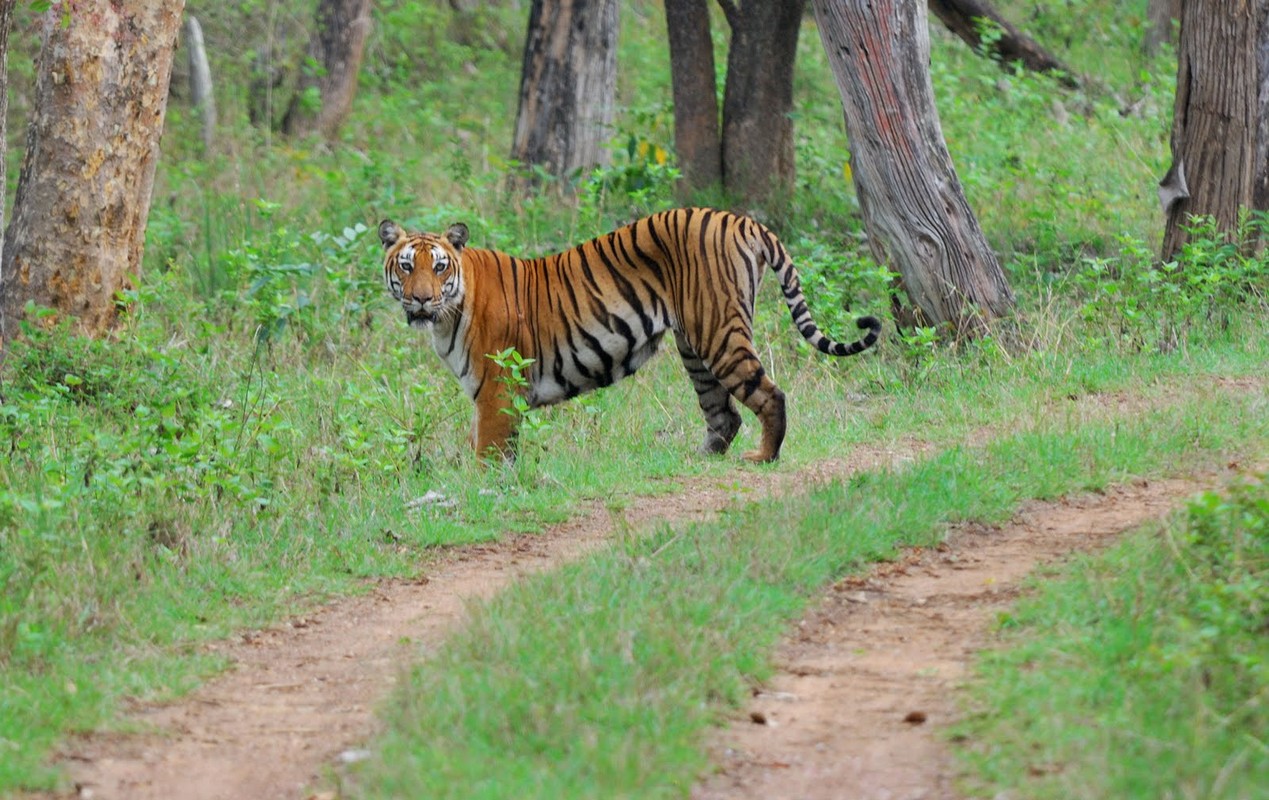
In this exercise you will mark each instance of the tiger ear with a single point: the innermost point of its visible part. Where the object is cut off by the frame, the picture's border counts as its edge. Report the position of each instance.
(457, 236)
(389, 233)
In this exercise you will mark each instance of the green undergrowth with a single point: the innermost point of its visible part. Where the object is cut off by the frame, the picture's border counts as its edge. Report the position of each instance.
(158, 492)
(598, 679)
(1139, 672)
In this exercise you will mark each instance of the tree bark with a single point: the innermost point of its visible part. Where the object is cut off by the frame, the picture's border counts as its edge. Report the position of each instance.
(332, 66)
(1013, 47)
(696, 131)
(758, 165)
(914, 210)
(567, 86)
(83, 197)
(1220, 146)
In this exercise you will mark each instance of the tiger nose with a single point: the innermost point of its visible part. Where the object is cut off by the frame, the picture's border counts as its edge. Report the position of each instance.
(421, 296)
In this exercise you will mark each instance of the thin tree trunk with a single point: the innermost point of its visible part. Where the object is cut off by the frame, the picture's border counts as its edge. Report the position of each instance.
(567, 86)
(336, 47)
(1013, 47)
(696, 132)
(202, 98)
(1160, 15)
(915, 213)
(79, 217)
(6, 23)
(1219, 162)
(758, 165)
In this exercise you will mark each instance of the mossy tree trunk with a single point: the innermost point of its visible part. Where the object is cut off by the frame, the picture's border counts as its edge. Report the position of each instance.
(567, 87)
(914, 210)
(1220, 141)
(83, 196)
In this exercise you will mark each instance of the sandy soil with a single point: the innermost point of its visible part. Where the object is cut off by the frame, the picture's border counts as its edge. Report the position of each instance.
(866, 678)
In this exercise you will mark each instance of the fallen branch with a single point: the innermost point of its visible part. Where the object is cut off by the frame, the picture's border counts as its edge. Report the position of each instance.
(963, 18)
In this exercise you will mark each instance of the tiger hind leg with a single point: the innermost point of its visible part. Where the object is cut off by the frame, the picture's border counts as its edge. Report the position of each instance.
(740, 372)
(722, 420)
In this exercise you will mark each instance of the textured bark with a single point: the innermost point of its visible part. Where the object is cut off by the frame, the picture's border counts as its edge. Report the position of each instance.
(79, 217)
(696, 131)
(914, 210)
(1219, 149)
(200, 82)
(1013, 47)
(336, 47)
(567, 86)
(757, 143)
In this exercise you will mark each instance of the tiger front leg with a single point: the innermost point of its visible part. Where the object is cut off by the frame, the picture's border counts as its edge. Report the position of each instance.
(493, 434)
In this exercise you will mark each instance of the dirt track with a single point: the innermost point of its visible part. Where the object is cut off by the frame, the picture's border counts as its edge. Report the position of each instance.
(866, 676)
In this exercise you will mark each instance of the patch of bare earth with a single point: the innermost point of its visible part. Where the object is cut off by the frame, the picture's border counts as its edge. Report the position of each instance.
(301, 696)
(868, 677)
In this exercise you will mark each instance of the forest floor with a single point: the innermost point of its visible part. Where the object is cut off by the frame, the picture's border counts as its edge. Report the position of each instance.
(863, 693)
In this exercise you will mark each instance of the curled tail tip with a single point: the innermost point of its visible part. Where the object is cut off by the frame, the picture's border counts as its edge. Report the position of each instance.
(873, 326)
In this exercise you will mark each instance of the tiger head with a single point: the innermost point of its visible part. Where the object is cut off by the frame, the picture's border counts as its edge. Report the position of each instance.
(424, 271)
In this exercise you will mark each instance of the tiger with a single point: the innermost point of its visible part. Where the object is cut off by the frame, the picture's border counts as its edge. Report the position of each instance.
(596, 313)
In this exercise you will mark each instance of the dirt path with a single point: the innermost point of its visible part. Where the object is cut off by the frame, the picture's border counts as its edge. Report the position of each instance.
(867, 678)
(302, 696)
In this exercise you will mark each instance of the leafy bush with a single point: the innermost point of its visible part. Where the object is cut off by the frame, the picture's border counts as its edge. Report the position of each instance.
(1146, 304)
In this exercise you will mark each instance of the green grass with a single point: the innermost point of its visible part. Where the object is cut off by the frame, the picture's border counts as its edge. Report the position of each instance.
(250, 443)
(1139, 672)
(160, 493)
(599, 679)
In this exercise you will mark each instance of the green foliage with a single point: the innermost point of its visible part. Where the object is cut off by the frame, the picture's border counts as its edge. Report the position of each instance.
(517, 383)
(1141, 672)
(1143, 303)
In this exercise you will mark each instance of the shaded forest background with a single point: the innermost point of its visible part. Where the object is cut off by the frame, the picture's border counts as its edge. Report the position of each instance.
(432, 124)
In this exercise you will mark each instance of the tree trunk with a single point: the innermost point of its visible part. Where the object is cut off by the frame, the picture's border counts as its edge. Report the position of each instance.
(567, 86)
(915, 213)
(1220, 153)
(758, 164)
(696, 134)
(79, 217)
(6, 24)
(331, 69)
(1013, 47)
(200, 82)
(1160, 14)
